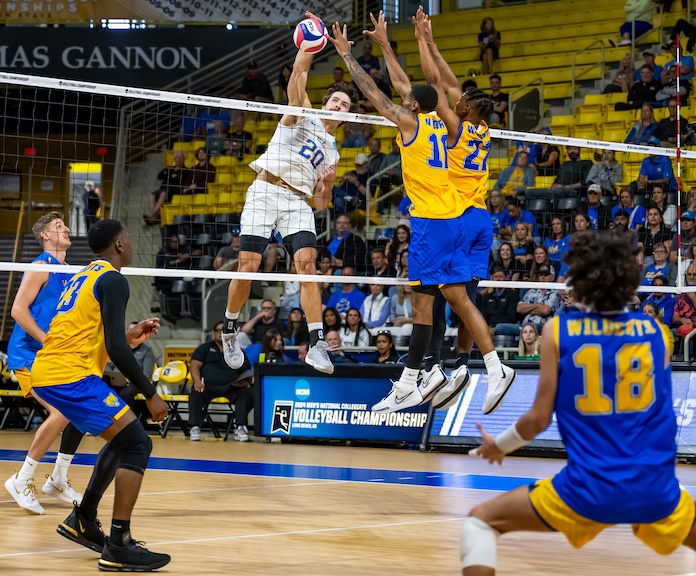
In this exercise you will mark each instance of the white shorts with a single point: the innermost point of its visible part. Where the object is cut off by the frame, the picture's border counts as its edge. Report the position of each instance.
(270, 208)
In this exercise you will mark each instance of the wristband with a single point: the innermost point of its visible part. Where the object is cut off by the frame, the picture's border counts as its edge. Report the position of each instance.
(510, 440)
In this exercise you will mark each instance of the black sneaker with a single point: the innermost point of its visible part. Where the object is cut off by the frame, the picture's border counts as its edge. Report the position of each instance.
(131, 557)
(77, 528)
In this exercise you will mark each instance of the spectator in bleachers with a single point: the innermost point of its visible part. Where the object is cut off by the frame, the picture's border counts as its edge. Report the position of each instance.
(666, 131)
(568, 303)
(173, 179)
(573, 173)
(213, 122)
(375, 308)
(529, 343)
(525, 146)
(489, 45)
(367, 60)
(302, 350)
(338, 356)
(375, 157)
(400, 308)
(650, 309)
(669, 211)
(376, 76)
(547, 160)
(213, 378)
(273, 346)
(346, 248)
(190, 124)
(403, 267)
(391, 163)
(598, 213)
(607, 173)
(688, 234)
(663, 302)
(380, 266)
(623, 79)
(655, 171)
(386, 350)
(638, 18)
(296, 330)
(357, 134)
(620, 220)
(642, 91)
(351, 192)
(354, 333)
(144, 357)
(523, 243)
(498, 305)
(660, 266)
(514, 180)
(175, 256)
(684, 318)
(683, 27)
(540, 257)
(348, 297)
(216, 140)
(556, 242)
(283, 78)
(255, 85)
(581, 222)
(202, 174)
(228, 254)
(265, 320)
(399, 243)
(648, 60)
(653, 233)
(496, 208)
(469, 83)
(507, 262)
(669, 89)
(514, 215)
(238, 142)
(500, 100)
(331, 319)
(643, 130)
(400, 58)
(636, 214)
(686, 67)
(338, 79)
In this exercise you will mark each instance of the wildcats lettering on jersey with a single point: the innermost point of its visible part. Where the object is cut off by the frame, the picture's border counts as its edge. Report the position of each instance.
(605, 327)
(468, 160)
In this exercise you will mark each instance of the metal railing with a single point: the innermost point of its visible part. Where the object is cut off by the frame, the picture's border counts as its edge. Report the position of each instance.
(15, 249)
(513, 103)
(368, 194)
(575, 77)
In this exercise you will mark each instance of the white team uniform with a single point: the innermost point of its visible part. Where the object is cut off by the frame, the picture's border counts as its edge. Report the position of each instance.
(299, 155)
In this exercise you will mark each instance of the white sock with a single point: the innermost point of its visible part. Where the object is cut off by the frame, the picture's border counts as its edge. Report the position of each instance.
(409, 378)
(60, 472)
(492, 361)
(231, 315)
(27, 470)
(478, 544)
(315, 326)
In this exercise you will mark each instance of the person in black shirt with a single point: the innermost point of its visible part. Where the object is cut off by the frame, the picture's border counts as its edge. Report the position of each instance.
(92, 202)
(173, 179)
(500, 100)
(213, 378)
(264, 321)
(255, 85)
(654, 232)
(573, 173)
(547, 160)
(238, 142)
(202, 174)
(666, 130)
(641, 92)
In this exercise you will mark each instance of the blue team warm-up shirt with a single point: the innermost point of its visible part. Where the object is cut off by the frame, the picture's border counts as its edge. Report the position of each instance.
(615, 415)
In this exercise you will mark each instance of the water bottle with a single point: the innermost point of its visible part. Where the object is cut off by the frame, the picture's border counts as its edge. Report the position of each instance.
(35, 423)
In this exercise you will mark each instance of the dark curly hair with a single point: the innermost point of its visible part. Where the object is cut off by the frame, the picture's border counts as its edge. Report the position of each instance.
(347, 89)
(480, 102)
(603, 271)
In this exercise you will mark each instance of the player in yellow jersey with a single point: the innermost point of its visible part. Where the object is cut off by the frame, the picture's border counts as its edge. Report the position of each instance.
(437, 257)
(468, 146)
(87, 330)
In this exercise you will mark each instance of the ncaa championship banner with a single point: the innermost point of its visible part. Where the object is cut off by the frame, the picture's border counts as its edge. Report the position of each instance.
(294, 401)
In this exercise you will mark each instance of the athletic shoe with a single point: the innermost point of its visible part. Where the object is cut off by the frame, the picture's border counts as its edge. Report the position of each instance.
(231, 350)
(131, 557)
(319, 359)
(195, 433)
(24, 494)
(431, 382)
(241, 434)
(448, 395)
(400, 397)
(498, 386)
(87, 533)
(61, 490)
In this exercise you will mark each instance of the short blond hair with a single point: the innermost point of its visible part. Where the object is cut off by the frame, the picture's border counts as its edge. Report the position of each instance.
(42, 223)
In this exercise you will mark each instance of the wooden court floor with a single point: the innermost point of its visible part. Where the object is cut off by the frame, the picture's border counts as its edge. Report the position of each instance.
(270, 509)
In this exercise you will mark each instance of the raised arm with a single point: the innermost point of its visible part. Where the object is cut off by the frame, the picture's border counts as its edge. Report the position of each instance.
(403, 118)
(398, 76)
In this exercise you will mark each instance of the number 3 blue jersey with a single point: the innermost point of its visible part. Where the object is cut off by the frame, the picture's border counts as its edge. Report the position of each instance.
(615, 415)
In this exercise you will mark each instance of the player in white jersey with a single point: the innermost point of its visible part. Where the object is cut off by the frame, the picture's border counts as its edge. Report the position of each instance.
(300, 163)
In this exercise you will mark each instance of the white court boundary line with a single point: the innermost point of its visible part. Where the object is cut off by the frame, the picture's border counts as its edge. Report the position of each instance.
(249, 536)
(271, 108)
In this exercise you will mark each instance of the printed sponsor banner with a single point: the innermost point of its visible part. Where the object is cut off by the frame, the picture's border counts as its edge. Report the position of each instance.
(336, 407)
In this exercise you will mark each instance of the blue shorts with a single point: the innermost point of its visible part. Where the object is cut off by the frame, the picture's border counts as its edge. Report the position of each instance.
(88, 403)
(450, 251)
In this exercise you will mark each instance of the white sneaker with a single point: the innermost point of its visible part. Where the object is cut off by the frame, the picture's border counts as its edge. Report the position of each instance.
(448, 395)
(319, 359)
(61, 490)
(400, 397)
(232, 352)
(498, 386)
(241, 434)
(24, 494)
(431, 382)
(625, 42)
(195, 433)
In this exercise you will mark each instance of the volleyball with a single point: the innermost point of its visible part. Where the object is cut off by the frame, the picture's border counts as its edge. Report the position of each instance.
(310, 36)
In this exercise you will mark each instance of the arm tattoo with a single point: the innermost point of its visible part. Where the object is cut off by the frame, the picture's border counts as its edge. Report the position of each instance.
(368, 87)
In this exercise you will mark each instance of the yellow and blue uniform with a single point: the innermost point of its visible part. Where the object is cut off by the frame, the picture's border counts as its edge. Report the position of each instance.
(68, 370)
(22, 347)
(615, 416)
(435, 256)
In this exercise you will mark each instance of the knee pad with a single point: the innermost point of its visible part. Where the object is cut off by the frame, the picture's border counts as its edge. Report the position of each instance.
(135, 447)
(478, 544)
(471, 288)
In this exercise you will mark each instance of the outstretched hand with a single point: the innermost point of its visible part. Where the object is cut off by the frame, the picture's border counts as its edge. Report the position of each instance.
(340, 39)
(308, 14)
(423, 26)
(142, 331)
(379, 34)
(489, 449)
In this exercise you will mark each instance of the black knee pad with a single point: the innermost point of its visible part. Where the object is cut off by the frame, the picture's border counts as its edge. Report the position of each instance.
(135, 447)
(299, 240)
(253, 244)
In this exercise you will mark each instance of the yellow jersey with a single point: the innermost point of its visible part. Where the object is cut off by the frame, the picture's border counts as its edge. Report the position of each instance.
(424, 165)
(75, 347)
(468, 163)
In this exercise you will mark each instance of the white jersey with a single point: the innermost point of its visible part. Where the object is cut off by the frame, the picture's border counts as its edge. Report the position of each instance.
(299, 154)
